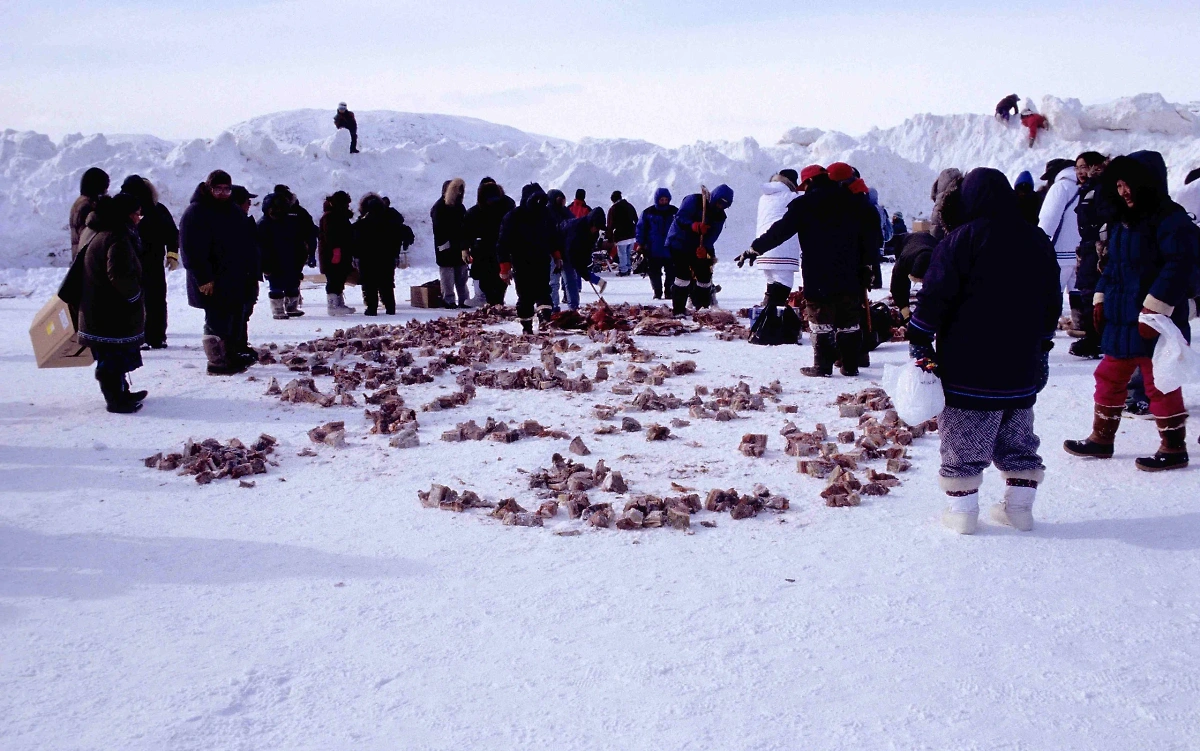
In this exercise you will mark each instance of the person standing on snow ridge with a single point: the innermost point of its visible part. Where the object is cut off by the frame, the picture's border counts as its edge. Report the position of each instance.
(1091, 215)
(835, 258)
(449, 217)
(281, 238)
(528, 240)
(622, 228)
(1149, 268)
(1057, 220)
(565, 284)
(335, 248)
(992, 366)
(692, 241)
(239, 341)
(219, 251)
(159, 251)
(92, 185)
(579, 207)
(345, 119)
(652, 229)
(111, 314)
(377, 246)
(1008, 107)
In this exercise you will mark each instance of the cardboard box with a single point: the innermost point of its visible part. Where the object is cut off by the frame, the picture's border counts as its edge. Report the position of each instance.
(921, 225)
(427, 295)
(55, 344)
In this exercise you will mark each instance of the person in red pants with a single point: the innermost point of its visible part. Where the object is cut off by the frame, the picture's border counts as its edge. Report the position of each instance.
(1152, 250)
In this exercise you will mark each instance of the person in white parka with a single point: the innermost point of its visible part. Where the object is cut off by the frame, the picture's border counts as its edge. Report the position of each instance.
(780, 264)
(1057, 219)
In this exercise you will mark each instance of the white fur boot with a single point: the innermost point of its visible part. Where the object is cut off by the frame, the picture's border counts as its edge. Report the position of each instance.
(962, 515)
(1016, 510)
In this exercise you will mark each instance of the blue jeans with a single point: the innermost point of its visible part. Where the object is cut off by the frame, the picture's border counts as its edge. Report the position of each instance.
(572, 284)
(556, 281)
(624, 256)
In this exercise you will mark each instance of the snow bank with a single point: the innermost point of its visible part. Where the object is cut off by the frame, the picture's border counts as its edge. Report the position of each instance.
(407, 157)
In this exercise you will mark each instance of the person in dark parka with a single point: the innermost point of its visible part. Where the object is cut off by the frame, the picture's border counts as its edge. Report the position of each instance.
(579, 239)
(912, 261)
(239, 345)
(92, 185)
(483, 230)
(159, 247)
(1007, 107)
(692, 241)
(335, 251)
(282, 240)
(991, 348)
(528, 240)
(219, 249)
(837, 253)
(622, 228)
(1151, 257)
(1028, 199)
(652, 230)
(1093, 212)
(112, 317)
(565, 284)
(377, 246)
(449, 218)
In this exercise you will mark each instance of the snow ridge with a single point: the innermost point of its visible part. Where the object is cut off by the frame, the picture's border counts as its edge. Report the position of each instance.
(407, 156)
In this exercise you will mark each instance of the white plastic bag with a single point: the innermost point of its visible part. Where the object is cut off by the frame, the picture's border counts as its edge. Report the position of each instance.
(1175, 363)
(917, 395)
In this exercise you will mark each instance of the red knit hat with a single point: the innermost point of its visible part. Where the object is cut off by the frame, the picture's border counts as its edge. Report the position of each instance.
(810, 172)
(839, 171)
(858, 186)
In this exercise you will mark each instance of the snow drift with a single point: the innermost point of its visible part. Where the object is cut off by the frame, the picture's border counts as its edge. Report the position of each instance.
(408, 156)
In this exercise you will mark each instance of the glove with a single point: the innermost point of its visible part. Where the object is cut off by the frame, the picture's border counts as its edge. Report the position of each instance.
(207, 289)
(336, 257)
(506, 271)
(466, 258)
(750, 255)
(172, 261)
(1047, 345)
(1098, 317)
(1145, 331)
(637, 248)
(700, 228)
(558, 263)
(702, 253)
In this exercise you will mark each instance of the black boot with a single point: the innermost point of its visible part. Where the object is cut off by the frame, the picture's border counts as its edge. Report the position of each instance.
(1172, 453)
(112, 386)
(1099, 445)
(777, 295)
(701, 296)
(849, 346)
(679, 299)
(387, 295)
(527, 326)
(136, 396)
(824, 353)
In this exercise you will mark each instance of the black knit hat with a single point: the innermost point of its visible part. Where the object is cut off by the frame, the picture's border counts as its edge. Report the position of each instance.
(219, 177)
(580, 194)
(616, 196)
(93, 183)
(791, 174)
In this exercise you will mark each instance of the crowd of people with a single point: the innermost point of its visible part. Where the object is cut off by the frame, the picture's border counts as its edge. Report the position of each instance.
(1105, 231)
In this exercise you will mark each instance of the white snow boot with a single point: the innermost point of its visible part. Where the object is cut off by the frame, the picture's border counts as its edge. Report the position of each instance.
(279, 309)
(335, 305)
(1016, 510)
(292, 306)
(962, 515)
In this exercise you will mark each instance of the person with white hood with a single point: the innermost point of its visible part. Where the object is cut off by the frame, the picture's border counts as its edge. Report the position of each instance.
(1057, 219)
(779, 265)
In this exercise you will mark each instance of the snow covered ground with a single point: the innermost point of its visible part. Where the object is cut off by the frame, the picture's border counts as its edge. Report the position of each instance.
(326, 609)
(407, 157)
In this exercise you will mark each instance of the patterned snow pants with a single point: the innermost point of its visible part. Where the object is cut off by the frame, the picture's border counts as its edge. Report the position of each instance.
(973, 439)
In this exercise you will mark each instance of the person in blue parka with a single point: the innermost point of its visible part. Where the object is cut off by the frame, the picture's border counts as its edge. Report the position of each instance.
(652, 230)
(692, 242)
(1149, 268)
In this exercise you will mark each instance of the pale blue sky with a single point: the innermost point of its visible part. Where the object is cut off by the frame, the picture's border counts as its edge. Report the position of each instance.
(669, 72)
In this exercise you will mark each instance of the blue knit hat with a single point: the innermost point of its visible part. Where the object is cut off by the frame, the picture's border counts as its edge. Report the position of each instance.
(1025, 178)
